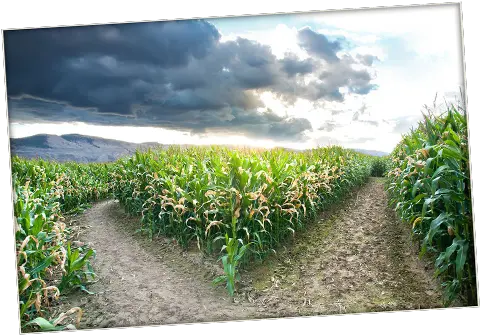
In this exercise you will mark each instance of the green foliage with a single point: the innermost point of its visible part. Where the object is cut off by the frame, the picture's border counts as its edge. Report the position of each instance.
(234, 253)
(42, 192)
(188, 193)
(75, 185)
(379, 166)
(429, 184)
(75, 275)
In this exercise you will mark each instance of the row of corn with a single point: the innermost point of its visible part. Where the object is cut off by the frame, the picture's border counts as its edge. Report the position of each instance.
(429, 184)
(194, 194)
(47, 263)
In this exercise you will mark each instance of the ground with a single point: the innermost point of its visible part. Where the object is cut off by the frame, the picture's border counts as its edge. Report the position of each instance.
(357, 257)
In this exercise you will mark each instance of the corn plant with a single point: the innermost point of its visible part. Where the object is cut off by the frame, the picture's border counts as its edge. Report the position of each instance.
(429, 184)
(75, 275)
(234, 252)
(43, 191)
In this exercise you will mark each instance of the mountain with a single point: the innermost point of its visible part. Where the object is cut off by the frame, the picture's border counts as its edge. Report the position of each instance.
(74, 147)
(82, 148)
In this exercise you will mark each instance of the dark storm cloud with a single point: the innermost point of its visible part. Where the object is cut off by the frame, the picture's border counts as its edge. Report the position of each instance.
(326, 81)
(108, 67)
(292, 65)
(170, 74)
(323, 89)
(266, 123)
(342, 74)
(318, 44)
(27, 109)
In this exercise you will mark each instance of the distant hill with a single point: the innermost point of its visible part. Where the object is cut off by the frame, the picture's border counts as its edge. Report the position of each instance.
(85, 149)
(74, 147)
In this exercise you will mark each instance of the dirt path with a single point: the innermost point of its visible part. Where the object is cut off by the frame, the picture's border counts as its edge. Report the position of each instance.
(356, 258)
(143, 282)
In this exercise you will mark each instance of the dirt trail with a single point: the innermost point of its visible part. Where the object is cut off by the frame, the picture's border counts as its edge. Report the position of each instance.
(142, 281)
(356, 258)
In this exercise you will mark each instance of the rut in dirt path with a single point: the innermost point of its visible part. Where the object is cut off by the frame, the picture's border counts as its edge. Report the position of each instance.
(358, 257)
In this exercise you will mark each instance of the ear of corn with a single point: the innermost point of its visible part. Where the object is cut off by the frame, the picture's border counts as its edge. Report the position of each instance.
(429, 184)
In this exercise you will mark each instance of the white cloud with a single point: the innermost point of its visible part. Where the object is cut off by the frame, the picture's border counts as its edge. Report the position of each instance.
(281, 39)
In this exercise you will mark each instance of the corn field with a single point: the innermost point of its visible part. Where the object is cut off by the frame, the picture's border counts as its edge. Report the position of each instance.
(429, 184)
(241, 205)
(204, 196)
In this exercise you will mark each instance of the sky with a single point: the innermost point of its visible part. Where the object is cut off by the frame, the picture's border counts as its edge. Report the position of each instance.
(358, 78)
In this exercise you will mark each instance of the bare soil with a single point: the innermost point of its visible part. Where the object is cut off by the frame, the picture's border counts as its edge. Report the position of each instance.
(357, 257)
